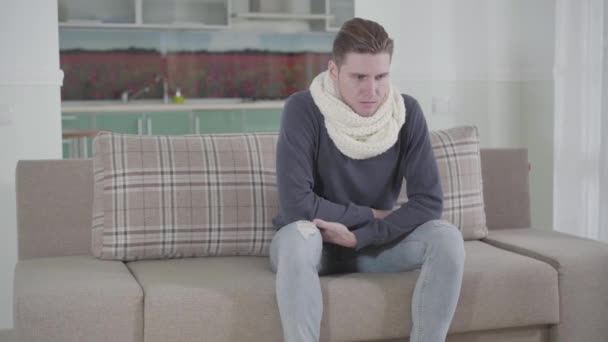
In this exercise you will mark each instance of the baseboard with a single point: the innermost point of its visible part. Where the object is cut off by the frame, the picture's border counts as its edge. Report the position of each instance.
(7, 335)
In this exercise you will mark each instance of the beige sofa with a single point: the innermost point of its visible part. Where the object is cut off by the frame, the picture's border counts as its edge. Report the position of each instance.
(520, 284)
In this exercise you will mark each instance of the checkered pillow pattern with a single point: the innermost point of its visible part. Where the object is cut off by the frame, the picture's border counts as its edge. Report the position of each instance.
(183, 196)
(216, 195)
(458, 160)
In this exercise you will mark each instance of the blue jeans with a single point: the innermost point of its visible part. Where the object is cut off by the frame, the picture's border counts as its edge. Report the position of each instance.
(298, 256)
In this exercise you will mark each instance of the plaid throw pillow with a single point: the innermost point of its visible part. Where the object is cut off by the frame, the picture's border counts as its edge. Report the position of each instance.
(457, 153)
(183, 196)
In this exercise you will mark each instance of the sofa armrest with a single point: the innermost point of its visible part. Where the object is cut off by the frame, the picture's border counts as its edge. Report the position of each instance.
(76, 298)
(582, 267)
(54, 207)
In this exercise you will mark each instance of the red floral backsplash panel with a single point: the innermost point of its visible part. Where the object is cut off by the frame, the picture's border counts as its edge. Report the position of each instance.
(95, 75)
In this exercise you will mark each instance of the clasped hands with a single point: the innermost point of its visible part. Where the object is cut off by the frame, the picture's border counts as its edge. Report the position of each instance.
(337, 233)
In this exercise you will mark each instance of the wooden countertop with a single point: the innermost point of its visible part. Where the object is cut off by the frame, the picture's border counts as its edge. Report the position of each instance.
(85, 133)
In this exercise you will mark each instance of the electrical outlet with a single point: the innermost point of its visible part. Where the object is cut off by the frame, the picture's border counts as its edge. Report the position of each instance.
(6, 115)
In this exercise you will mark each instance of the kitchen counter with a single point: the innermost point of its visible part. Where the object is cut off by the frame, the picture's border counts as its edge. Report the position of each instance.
(109, 106)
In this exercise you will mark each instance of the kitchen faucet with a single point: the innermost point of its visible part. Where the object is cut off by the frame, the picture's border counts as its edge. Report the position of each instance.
(126, 96)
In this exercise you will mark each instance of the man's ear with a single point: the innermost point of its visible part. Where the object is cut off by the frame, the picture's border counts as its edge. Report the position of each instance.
(332, 67)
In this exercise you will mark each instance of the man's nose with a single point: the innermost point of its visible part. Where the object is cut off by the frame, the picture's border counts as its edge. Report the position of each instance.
(369, 86)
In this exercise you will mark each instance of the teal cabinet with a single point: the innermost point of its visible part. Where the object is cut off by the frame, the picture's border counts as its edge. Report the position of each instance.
(218, 121)
(76, 121)
(76, 147)
(262, 120)
(66, 150)
(128, 123)
(166, 123)
(169, 123)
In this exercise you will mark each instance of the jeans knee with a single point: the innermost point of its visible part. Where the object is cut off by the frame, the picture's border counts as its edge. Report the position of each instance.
(453, 245)
(446, 240)
(298, 244)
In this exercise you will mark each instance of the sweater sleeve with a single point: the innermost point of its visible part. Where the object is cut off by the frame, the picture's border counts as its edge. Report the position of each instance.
(425, 196)
(296, 148)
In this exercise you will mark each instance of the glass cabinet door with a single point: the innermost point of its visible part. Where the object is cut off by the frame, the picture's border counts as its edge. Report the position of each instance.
(72, 145)
(127, 123)
(341, 11)
(218, 121)
(169, 123)
(185, 12)
(262, 120)
(97, 12)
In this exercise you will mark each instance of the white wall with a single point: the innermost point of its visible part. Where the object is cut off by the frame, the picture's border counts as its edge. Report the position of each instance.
(30, 121)
(482, 62)
(536, 26)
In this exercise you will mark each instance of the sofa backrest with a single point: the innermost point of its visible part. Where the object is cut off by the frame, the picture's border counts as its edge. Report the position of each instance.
(506, 189)
(55, 201)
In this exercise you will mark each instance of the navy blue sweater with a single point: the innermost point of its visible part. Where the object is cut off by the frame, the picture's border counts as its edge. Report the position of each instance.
(316, 180)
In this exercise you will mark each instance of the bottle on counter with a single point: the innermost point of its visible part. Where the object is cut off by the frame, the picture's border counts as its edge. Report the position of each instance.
(178, 97)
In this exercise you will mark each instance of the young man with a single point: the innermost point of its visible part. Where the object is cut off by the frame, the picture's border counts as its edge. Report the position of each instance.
(344, 148)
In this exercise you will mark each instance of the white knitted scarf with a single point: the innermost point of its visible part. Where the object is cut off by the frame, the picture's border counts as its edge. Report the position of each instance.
(356, 136)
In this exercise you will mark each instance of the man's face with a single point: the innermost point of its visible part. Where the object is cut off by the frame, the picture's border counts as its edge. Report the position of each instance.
(362, 80)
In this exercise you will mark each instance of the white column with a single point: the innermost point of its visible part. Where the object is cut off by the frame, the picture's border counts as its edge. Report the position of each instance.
(30, 117)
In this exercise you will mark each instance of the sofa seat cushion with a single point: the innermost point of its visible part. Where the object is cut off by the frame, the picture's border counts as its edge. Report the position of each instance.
(582, 265)
(233, 298)
(76, 298)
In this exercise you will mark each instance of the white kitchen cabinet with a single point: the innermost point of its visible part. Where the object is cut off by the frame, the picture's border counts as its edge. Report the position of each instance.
(91, 12)
(340, 11)
(211, 13)
(267, 15)
(146, 14)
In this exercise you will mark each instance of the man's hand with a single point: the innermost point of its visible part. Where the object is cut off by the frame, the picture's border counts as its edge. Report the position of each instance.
(380, 214)
(336, 233)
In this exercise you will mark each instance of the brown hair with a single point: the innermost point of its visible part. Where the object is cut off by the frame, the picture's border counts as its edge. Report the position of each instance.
(361, 36)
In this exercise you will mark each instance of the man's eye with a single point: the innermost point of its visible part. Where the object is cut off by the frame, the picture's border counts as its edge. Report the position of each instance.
(360, 77)
(379, 77)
